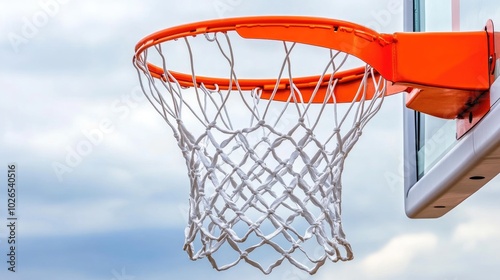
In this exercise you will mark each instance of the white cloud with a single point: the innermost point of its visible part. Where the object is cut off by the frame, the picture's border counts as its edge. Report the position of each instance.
(89, 17)
(480, 228)
(41, 143)
(397, 254)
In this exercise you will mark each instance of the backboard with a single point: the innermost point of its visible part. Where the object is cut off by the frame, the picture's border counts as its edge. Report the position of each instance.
(440, 170)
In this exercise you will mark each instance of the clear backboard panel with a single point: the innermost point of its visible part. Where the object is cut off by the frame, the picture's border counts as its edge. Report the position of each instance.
(441, 171)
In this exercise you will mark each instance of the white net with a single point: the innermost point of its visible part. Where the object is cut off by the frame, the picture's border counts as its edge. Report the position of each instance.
(265, 175)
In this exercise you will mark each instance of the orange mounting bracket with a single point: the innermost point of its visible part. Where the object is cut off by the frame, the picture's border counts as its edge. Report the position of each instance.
(481, 106)
(476, 57)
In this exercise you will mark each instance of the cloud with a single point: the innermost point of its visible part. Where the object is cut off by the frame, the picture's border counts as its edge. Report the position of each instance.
(397, 254)
(481, 228)
(73, 218)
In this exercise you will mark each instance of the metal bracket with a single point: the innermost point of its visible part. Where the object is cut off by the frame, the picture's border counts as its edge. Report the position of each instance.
(478, 108)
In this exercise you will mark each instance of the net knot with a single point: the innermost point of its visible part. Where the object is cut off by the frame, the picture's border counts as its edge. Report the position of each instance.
(193, 172)
(239, 213)
(211, 125)
(254, 192)
(270, 211)
(253, 227)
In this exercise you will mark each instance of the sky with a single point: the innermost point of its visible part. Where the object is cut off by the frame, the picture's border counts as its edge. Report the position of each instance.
(102, 189)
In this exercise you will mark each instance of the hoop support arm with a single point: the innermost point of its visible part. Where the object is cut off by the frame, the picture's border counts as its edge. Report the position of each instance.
(446, 73)
(452, 60)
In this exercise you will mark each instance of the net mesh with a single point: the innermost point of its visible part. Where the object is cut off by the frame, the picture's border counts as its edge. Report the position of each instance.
(265, 175)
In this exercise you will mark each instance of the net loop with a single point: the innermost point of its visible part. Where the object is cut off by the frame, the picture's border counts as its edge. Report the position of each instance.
(265, 175)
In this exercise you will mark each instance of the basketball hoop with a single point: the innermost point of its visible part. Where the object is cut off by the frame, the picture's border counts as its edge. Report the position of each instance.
(265, 155)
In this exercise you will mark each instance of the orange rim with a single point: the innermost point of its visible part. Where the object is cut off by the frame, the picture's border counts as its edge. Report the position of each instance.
(307, 30)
